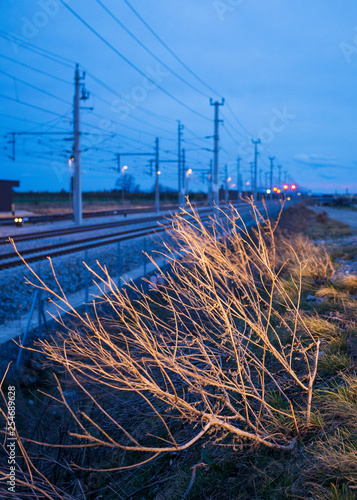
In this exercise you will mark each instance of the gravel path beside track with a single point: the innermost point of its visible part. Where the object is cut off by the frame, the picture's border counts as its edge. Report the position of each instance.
(342, 215)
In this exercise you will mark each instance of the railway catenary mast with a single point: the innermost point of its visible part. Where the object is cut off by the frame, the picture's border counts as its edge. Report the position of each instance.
(216, 150)
(255, 172)
(79, 94)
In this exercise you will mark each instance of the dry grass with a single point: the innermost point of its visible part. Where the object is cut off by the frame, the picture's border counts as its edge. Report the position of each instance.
(300, 219)
(317, 263)
(322, 328)
(333, 493)
(332, 293)
(335, 459)
(339, 404)
(347, 283)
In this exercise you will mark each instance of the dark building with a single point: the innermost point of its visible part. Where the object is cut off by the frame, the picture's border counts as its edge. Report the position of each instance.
(6, 194)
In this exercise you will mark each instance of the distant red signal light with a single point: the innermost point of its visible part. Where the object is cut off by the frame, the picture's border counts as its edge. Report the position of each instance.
(275, 189)
(286, 186)
(293, 187)
(278, 191)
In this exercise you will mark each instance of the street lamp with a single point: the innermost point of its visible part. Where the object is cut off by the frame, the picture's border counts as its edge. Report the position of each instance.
(188, 173)
(122, 183)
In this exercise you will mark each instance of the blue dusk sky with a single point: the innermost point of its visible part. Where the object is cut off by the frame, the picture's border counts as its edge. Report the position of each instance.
(287, 71)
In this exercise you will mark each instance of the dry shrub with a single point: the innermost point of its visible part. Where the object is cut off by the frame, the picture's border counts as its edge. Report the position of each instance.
(205, 350)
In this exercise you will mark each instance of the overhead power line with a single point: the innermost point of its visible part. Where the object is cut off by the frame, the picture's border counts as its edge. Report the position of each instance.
(23, 119)
(110, 13)
(108, 44)
(138, 108)
(126, 125)
(231, 136)
(168, 48)
(185, 66)
(56, 58)
(234, 129)
(33, 48)
(238, 121)
(30, 105)
(68, 103)
(34, 87)
(37, 70)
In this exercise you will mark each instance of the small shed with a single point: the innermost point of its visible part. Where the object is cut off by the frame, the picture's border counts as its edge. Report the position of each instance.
(6, 194)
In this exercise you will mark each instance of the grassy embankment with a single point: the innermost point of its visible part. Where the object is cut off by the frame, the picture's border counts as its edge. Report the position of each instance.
(322, 464)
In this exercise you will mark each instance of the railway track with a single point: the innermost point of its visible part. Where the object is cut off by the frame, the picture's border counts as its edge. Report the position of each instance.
(33, 219)
(35, 254)
(60, 250)
(74, 230)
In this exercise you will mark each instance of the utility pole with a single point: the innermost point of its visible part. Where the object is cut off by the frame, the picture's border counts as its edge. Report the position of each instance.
(279, 167)
(181, 196)
(226, 184)
(266, 180)
(216, 150)
(254, 187)
(77, 185)
(285, 175)
(151, 169)
(12, 141)
(238, 178)
(210, 184)
(157, 185)
(252, 176)
(183, 166)
(271, 158)
(260, 178)
(122, 178)
(122, 183)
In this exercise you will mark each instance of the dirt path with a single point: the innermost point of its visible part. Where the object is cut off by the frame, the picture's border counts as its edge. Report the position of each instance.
(342, 215)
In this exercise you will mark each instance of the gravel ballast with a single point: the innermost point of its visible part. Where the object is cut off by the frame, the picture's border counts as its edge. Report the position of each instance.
(16, 295)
